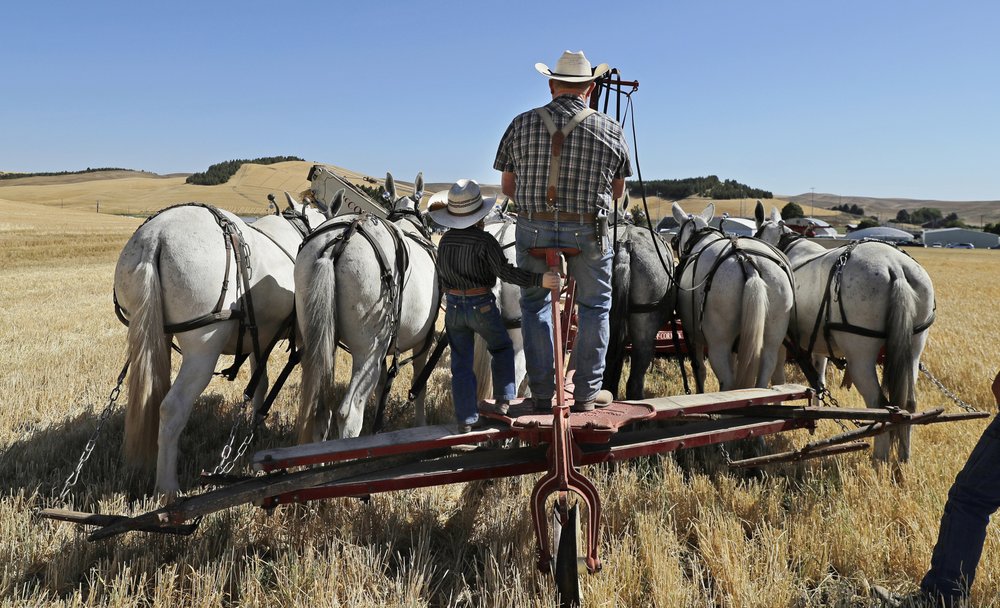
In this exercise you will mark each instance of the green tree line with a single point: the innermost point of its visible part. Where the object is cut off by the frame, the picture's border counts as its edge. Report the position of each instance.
(54, 173)
(710, 186)
(220, 173)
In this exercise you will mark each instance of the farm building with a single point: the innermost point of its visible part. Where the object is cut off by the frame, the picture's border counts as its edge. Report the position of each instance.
(667, 224)
(950, 236)
(734, 225)
(810, 226)
(881, 233)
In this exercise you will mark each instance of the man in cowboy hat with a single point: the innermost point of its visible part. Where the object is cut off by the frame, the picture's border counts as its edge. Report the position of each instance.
(564, 165)
(469, 262)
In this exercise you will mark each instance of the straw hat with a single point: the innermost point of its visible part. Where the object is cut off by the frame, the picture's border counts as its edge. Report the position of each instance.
(572, 67)
(460, 206)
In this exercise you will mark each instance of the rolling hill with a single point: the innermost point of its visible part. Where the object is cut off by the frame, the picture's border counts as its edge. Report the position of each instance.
(142, 193)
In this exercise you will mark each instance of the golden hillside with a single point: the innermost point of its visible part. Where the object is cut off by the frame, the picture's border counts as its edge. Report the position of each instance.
(138, 193)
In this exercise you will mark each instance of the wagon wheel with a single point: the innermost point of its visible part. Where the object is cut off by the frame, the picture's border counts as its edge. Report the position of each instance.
(565, 567)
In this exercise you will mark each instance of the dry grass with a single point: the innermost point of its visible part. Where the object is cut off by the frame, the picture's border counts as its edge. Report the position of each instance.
(680, 531)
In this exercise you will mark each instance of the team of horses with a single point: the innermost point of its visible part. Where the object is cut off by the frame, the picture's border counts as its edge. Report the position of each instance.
(205, 283)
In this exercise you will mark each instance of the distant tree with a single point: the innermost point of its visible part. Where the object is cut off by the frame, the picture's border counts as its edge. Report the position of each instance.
(220, 173)
(868, 222)
(710, 186)
(903, 216)
(992, 228)
(856, 210)
(792, 210)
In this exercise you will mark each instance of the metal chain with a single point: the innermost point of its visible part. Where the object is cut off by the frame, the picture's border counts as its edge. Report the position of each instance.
(826, 399)
(725, 454)
(92, 442)
(226, 459)
(958, 400)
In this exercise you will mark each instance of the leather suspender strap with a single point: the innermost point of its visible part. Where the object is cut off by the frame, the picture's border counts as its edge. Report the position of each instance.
(558, 137)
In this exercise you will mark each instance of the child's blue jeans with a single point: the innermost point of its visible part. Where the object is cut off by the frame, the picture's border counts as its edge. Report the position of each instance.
(465, 317)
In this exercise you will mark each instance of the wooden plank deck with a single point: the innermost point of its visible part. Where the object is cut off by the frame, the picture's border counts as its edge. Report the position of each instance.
(668, 407)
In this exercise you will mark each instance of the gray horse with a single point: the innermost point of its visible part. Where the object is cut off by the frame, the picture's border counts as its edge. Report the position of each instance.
(643, 299)
(180, 277)
(369, 285)
(851, 302)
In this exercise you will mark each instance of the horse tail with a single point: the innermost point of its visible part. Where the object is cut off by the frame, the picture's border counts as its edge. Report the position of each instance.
(319, 337)
(621, 285)
(149, 356)
(897, 376)
(755, 303)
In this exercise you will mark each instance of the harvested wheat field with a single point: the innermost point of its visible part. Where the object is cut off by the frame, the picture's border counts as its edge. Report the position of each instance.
(678, 531)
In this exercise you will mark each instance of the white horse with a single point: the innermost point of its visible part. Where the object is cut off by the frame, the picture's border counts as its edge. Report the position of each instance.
(851, 302)
(502, 226)
(188, 274)
(370, 285)
(734, 295)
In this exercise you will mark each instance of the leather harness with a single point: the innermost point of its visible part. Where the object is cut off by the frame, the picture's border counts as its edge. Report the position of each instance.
(558, 137)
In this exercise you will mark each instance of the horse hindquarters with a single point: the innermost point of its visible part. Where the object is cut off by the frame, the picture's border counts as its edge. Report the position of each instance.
(149, 356)
(318, 325)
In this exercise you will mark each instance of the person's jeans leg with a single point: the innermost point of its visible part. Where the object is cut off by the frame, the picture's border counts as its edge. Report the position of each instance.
(461, 340)
(536, 309)
(973, 497)
(591, 269)
(487, 322)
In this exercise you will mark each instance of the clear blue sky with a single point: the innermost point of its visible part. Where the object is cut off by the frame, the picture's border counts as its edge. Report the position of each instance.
(889, 98)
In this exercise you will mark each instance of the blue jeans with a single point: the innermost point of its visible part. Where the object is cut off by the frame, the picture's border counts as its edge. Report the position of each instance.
(465, 317)
(591, 269)
(973, 497)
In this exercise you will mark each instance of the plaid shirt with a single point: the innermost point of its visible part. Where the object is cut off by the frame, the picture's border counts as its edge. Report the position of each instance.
(594, 154)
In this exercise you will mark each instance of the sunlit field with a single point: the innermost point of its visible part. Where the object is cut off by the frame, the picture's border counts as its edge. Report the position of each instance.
(678, 530)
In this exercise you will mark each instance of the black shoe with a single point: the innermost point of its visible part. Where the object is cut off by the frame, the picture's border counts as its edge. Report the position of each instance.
(502, 406)
(601, 399)
(540, 405)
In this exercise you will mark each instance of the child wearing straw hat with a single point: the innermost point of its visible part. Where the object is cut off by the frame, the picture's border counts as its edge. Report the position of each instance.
(469, 262)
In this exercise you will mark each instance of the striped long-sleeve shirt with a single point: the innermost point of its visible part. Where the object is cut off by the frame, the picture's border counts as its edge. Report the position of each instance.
(471, 257)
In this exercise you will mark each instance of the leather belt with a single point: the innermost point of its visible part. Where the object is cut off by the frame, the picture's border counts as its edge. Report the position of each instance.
(562, 216)
(475, 291)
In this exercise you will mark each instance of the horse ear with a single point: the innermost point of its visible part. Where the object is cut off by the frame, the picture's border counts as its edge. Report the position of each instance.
(418, 189)
(679, 215)
(390, 187)
(625, 201)
(758, 214)
(775, 215)
(708, 213)
(292, 202)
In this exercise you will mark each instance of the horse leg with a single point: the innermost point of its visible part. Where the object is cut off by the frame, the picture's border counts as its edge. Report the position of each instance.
(642, 329)
(419, 406)
(778, 376)
(697, 356)
(862, 355)
(260, 391)
(350, 416)
(194, 375)
(721, 358)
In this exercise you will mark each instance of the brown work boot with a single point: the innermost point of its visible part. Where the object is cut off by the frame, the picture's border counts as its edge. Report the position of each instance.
(501, 406)
(603, 398)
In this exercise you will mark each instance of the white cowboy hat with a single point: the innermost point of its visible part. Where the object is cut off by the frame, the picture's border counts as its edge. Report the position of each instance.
(463, 205)
(572, 67)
